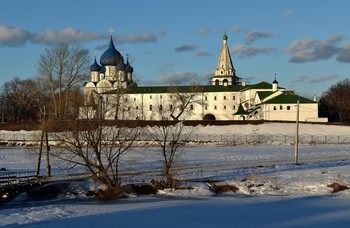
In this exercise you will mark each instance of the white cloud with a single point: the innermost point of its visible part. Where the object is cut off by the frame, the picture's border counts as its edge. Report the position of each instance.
(186, 47)
(325, 78)
(251, 35)
(68, 36)
(13, 37)
(300, 79)
(310, 50)
(204, 31)
(182, 78)
(248, 51)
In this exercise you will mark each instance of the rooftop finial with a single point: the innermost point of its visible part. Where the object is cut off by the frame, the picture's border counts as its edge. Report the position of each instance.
(225, 36)
(275, 81)
(110, 31)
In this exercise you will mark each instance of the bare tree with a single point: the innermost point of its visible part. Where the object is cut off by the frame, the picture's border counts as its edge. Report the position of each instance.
(98, 147)
(171, 139)
(21, 100)
(334, 102)
(182, 99)
(63, 67)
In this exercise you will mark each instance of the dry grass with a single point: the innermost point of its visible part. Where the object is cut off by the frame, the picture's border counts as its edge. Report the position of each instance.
(218, 189)
(337, 187)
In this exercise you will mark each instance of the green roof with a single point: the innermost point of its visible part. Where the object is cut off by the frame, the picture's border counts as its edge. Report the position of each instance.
(263, 94)
(189, 89)
(289, 97)
(181, 89)
(241, 110)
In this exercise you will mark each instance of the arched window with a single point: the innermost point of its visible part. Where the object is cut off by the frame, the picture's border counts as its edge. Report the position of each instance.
(217, 82)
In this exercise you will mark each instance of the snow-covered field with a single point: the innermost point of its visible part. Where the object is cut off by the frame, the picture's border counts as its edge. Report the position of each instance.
(273, 191)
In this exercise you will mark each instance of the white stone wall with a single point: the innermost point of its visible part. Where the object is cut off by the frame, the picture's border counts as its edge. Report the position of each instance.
(287, 112)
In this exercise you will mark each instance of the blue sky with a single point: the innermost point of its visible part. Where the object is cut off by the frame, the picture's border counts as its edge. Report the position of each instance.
(305, 43)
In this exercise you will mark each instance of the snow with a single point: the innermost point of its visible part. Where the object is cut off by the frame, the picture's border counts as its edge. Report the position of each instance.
(272, 190)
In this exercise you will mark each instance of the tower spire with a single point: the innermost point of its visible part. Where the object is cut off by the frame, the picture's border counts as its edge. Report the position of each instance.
(224, 72)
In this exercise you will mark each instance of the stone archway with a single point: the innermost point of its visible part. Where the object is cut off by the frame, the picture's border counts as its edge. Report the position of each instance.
(209, 117)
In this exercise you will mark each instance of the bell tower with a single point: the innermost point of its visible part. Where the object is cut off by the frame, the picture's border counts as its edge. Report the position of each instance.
(225, 73)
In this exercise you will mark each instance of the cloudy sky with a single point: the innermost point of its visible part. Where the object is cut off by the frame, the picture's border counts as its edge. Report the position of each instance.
(305, 43)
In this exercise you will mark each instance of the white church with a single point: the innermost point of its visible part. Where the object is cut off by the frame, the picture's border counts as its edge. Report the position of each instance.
(112, 94)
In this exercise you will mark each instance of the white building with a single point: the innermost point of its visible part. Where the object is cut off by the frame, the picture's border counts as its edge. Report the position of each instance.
(112, 94)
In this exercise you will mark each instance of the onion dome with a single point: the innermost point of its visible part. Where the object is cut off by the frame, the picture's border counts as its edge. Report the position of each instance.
(111, 57)
(95, 66)
(121, 66)
(225, 37)
(275, 81)
(128, 68)
(103, 69)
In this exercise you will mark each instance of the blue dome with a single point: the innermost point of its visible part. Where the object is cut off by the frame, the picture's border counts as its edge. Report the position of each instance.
(103, 69)
(121, 66)
(128, 67)
(111, 57)
(95, 66)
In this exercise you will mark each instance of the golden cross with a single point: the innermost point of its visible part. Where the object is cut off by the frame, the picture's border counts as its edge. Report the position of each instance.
(110, 31)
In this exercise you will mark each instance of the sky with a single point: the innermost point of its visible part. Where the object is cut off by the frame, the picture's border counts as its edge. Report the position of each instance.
(305, 44)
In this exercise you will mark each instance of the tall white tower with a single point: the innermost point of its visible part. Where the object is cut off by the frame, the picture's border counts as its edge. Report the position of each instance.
(225, 73)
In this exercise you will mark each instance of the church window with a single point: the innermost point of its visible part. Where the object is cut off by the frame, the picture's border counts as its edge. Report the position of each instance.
(206, 107)
(224, 106)
(224, 97)
(150, 96)
(150, 107)
(161, 96)
(288, 107)
(129, 108)
(160, 107)
(281, 107)
(134, 98)
(191, 106)
(171, 107)
(215, 107)
(206, 98)
(137, 107)
(214, 98)
(234, 107)
(217, 82)
(234, 98)
(274, 107)
(171, 96)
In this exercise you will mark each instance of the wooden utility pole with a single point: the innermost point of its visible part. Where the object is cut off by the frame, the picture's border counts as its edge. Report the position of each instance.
(48, 166)
(297, 136)
(40, 153)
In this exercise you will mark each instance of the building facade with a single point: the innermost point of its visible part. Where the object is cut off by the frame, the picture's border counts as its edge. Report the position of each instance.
(112, 94)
